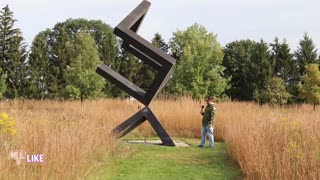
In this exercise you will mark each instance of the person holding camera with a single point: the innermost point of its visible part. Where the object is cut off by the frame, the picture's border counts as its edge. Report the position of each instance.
(208, 122)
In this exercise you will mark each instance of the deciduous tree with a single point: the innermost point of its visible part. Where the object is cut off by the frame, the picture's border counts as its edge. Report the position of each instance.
(199, 72)
(310, 88)
(82, 82)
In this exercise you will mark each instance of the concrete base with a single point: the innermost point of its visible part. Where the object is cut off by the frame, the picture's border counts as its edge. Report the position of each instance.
(157, 142)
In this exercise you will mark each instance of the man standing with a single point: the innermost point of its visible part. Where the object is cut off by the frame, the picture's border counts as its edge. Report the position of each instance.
(208, 122)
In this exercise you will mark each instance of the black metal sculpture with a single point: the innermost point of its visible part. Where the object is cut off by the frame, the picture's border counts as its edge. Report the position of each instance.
(149, 54)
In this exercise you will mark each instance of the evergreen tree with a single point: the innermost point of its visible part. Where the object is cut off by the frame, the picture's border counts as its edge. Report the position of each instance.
(59, 49)
(159, 42)
(147, 74)
(39, 68)
(13, 55)
(7, 33)
(237, 60)
(261, 67)
(285, 66)
(306, 53)
(250, 66)
(17, 69)
(275, 92)
(130, 68)
(3, 86)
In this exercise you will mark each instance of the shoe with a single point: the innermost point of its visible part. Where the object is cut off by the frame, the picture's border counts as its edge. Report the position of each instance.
(211, 147)
(201, 146)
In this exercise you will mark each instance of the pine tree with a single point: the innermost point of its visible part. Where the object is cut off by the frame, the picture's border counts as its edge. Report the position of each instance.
(159, 42)
(7, 32)
(285, 66)
(13, 55)
(237, 60)
(275, 92)
(147, 74)
(130, 68)
(250, 66)
(306, 53)
(261, 67)
(17, 68)
(59, 58)
(39, 68)
(3, 86)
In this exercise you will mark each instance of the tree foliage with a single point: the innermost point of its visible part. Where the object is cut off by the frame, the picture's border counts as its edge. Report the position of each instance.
(55, 54)
(3, 86)
(250, 66)
(261, 68)
(310, 88)
(285, 66)
(159, 42)
(237, 59)
(274, 93)
(82, 82)
(13, 55)
(39, 63)
(62, 62)
(199, 71)
(147, 74)
(306, 53)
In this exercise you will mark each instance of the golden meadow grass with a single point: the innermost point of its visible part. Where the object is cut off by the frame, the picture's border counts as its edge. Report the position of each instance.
(268, 143)
(272, 143)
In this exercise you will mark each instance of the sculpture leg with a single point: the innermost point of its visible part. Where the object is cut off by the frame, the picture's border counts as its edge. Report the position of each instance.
(130, 124)
(165, 138)
(137, 119)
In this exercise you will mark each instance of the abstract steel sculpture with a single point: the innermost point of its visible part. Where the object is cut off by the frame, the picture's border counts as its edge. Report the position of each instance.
(149, 54)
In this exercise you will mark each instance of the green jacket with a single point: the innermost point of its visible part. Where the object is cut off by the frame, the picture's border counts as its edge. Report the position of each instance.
(209, 115)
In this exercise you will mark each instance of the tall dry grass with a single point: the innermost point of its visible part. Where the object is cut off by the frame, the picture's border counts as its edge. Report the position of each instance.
(181, 118)
(268, 143)
(272, 143)
(72, 137)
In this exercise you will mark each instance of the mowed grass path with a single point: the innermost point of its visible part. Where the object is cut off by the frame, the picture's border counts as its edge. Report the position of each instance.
(161, 162)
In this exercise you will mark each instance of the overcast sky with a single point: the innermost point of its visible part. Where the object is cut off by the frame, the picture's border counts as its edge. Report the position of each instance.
(229, 19)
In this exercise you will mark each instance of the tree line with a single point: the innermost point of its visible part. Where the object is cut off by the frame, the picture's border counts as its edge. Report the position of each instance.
(61, 63)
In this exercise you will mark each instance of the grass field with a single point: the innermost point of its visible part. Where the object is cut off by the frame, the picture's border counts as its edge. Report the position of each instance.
(161, 162)
(267, 142)
(272, 142)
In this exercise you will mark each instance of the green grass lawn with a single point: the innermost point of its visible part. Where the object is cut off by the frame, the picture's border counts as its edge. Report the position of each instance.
(162, 162)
